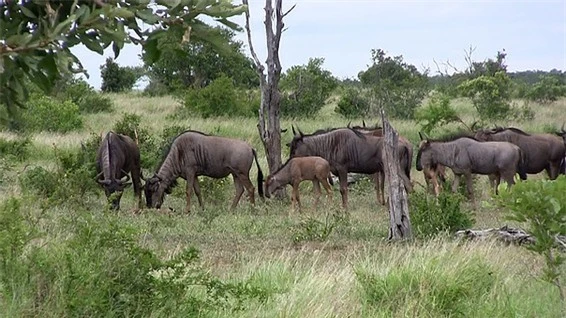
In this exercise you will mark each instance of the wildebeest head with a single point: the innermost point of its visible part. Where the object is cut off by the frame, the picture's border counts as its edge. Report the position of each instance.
(272, 184)
(154, 190)
(113, 188)
(297, 146)
(424, 156)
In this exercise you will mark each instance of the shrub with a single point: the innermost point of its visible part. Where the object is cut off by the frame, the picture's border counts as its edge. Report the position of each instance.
(46, 114)
(353, 103)
(436, 113)
(220, 98)
(309, 87)
(130, 124)
(85, 96)
(101, 270)
(311, 229)
(490, 95)
(431, 216)
(541, 206)
(18, 148)
(548, 89)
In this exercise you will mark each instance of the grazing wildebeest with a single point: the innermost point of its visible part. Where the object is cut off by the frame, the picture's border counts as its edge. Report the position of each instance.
(192, 154)
(297, 169)
(466, 156)
(542, 151)
(432, 175)
(345, 149)
(117, 156)
(404, 151)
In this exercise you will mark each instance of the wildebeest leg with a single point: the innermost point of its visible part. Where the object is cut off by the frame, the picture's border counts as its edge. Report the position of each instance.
(191, 181)
(343, 178)
(317, 192)
(470, 186)
(494, 180)
(553, 170)
(509, 178)
(456, 183)
(295, 196)
(249, 188)
(239, 191)
(136, 180)
(328, 189)
(196, 187)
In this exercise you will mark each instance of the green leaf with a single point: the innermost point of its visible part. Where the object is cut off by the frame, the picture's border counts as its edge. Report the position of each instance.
(115, 49)
(169, 3)
(152, 52)
(147, 16)
(19, 40)
(92, 45)
(122, 13)
(230, 24)
(28, 13)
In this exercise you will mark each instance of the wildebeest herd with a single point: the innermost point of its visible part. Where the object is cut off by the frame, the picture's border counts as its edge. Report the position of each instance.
(499, 153)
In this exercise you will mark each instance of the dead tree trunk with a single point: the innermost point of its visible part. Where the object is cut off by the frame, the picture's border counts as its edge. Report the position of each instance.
(269, 122)
(399, 221)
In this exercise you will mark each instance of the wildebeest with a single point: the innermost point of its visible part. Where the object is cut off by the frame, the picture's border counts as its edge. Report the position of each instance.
(433, 175)
(542, 151)
(117, 156)
(345, 149)
(404, 151)
(192, 154)
(294, 171)
(466, 156)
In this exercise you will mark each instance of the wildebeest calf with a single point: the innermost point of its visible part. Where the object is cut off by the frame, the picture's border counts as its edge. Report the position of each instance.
(294, 171)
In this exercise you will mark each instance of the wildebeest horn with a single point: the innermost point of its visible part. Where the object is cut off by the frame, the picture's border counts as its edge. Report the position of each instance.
(421, 135)
(363, 123)
(563, 131)
(127, 177)
(473, 127)
(300, 132)
(349, 123)
(284, 130)
(293, 128)
(105, 181)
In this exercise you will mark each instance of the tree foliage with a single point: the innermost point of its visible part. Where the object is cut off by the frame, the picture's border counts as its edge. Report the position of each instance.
(116, 78)
(437, 113)
(353, 103)
(396, 86)
(199, 62)
(39, 34)
(307, 87)
(548, 89)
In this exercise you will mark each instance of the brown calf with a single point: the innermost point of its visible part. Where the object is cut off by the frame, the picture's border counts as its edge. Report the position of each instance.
(294, 171)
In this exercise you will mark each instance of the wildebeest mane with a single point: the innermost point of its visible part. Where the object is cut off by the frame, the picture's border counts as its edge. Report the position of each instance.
(513, 129)
(453, 136)
(327, 130)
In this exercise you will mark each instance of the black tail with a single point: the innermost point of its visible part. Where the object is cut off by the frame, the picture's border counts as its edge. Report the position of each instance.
(330, 179)
(522, 165)
(408, 161)
(259, 176)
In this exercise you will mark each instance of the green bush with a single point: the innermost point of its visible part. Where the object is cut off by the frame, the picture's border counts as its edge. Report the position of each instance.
(489, 94)
(18, 148)
(436, 113)
(308, 87)
(220, 98)
(431, 216)
(85, 96)
(353, 103)
(541, 206)
(101, 270)
(548, 89)
(43, 113)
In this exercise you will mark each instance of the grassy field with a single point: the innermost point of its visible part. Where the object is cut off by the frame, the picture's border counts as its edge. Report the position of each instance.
(313, 264)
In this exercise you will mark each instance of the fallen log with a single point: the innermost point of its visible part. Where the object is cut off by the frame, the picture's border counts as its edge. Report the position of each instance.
(507, 235)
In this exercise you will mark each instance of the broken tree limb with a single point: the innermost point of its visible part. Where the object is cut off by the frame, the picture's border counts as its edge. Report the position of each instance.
(507, 235)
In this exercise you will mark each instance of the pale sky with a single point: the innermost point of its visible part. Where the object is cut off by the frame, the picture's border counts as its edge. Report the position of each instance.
(533, 33)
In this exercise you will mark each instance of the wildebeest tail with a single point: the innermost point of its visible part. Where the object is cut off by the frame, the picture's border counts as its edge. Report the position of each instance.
(259, 176)
(408, 161)
(330, 179)
(522, 165)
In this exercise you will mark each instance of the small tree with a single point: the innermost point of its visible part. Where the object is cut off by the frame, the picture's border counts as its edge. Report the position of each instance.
(490, 95)
(308, 87)
(541, 206)
(396, 86)
(548, 89)
(116, 78)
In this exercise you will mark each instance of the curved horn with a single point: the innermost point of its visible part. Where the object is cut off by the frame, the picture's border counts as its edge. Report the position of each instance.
(473, 127)
(293, 129)
(349, 123)
(563, 131)
(363, 123)
(127, 177)
(103, 182)
(421, 135)
(300, 132)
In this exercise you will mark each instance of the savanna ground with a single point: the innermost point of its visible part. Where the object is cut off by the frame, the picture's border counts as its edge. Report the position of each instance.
(318, 263)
